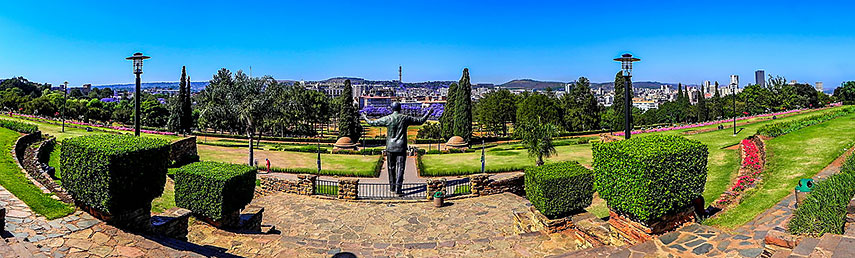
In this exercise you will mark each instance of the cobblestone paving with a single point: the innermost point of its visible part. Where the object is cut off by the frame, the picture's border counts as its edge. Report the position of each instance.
(312, 227)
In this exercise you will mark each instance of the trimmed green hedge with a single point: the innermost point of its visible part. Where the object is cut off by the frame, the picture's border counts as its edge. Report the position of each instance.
(782, 128)
(824, 210)
(114, 173)
(559, 189)
(648, 177)
(214, 189)
(17, 126)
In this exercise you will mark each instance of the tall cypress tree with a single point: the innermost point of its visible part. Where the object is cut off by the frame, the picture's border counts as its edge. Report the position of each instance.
(176, 103)
(447, 118)
(703, 111)
(715, 110)
(186, 111)
(348, 116)
(617, 106)
(463, 107)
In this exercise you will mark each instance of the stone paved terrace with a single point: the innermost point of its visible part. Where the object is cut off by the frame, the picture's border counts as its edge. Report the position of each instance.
(314, 227)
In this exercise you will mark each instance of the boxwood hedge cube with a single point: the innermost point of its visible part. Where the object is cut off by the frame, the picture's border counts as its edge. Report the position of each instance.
(214, 189)
(114, 173)
(559, 189)
(648, 177)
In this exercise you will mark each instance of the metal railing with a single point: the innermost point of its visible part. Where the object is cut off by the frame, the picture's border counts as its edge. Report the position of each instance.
(458, 187)
(383, 191)
(326, 187)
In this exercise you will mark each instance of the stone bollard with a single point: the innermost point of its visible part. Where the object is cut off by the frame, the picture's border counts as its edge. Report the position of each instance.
(348, 189)
(435, 185)
(478, 183)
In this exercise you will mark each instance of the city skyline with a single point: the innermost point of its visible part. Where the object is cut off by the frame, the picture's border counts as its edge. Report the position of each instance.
(686, 42)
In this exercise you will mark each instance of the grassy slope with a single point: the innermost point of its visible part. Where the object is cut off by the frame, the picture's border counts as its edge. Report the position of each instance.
(16, 182)
(166, 200)
(797, 155)
(54, 162)
(448, 163)
(56, 130)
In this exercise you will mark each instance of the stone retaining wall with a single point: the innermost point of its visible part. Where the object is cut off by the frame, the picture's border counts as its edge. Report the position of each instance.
(172, 223)
(304, 185)
(482, 184)
(588, 230)
(183, 152)
(348, 189)
(33, 157)
(435, 185)
(633, 232)
(23, 142)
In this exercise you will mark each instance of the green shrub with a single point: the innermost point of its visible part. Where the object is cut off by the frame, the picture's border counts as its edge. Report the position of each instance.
(114, 173)
(558, 189)
(18, 126)
(647, 177)
(214, 189)
(824, 210)
(785, 127)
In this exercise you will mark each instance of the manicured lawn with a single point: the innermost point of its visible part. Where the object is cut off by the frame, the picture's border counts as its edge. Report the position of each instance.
(470, 163)
(16, 182)
(354, 164)
(800, 154)
(54, 162)
(166, 200)
(723, 163)
(326, 189)
(56, 130)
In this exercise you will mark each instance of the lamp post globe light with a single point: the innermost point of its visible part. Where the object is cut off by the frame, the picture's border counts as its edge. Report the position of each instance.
(626, 67)
(138, 62)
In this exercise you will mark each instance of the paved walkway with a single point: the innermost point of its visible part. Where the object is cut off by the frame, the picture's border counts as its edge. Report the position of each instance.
(312, 227)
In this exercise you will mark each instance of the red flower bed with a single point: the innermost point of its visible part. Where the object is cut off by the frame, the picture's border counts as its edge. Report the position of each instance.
(752, 167)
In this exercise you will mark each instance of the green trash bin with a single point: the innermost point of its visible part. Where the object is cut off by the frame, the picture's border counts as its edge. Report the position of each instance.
(802, 190)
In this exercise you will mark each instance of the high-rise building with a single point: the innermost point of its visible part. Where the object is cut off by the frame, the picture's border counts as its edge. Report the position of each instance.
(819, 86)
(706, 88)
(760, 78)
(734, 79)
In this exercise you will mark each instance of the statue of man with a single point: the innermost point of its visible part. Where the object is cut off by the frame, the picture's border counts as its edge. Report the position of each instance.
(396, 142)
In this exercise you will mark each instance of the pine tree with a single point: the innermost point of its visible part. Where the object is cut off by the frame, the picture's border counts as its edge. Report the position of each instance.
(716, 109)
(348, 116)
(703, 111)
(447, 118)
(463, 107)
(176, 105)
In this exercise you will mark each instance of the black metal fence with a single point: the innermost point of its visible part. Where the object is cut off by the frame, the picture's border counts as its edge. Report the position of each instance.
(457, 187)
(325, 187)
(383, 191)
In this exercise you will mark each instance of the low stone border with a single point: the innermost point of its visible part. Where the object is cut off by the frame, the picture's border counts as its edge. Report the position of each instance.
(588, 230)
(633, 232)
(27, 154)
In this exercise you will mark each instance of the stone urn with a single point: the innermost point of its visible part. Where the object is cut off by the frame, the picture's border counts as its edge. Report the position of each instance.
(457, 142)
(344, 143)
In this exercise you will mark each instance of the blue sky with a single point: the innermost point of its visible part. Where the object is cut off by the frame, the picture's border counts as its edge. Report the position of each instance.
(678, 41)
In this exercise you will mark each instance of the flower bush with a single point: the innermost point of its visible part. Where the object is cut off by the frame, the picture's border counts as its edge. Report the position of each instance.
(750, 171)
(707, 123)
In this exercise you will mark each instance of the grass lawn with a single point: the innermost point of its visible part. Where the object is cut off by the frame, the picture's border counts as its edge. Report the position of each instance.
(16, 182)
(166, 200)
(800, 154)
(54, 162)
(56, 130)
(326, 189)
(354, 164)
(470, 163)
(722, 163)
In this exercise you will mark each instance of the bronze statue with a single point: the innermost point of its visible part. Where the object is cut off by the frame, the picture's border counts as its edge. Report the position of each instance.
(396, 142)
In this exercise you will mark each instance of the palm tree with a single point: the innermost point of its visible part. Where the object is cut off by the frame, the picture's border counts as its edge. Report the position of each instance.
(537, 138)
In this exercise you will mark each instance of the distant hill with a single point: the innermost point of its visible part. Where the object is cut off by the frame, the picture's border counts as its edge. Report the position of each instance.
(539, 85)
(194, 86)
(532, 84)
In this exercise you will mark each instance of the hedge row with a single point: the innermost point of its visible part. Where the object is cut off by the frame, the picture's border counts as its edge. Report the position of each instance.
(18, 126)
(559, 189)
(651, 176)
(114, 173)
(782, 128)
(214, 189)
(824, 210)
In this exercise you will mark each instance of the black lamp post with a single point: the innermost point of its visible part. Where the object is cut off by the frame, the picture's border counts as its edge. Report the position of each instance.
(64, 101)
(138, 61)
(626, 66)
(734, 106)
